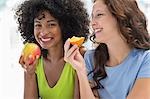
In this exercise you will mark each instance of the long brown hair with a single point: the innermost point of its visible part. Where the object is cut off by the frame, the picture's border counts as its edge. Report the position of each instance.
(133, 26)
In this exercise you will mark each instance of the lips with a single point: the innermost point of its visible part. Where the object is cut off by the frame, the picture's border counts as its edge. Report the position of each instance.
(45, 39)
(98, 30)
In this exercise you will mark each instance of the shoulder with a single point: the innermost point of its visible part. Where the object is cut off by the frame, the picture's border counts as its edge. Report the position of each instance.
(144, 61)
(142, 51)
(147, 53)
(146, 56)
(141, 54)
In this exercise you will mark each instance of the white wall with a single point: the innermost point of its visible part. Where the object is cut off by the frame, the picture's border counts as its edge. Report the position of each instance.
(145, 7)
(11, 74)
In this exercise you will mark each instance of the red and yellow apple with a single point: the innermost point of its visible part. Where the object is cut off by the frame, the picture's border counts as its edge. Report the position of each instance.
(31, 51)
(76, 40)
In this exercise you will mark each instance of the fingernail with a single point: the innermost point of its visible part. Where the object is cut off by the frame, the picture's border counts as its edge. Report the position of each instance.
(25, 66)
(25, 70)
(22, 54)
(68, 40)
(75, 46)
(37, 56)
(30, 56)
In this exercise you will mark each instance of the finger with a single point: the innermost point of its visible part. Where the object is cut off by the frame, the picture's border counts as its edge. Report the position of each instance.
(36, 60)
(33, 65)
(79, 53)
(37, 57)
(30, 68)
(67, 45)
(25, 70)
(27, 61)
(72, 56)
(71, 50)
(21, 61)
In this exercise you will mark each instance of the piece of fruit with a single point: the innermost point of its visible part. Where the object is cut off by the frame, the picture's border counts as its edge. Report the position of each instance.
(77, 40)
(30, 52)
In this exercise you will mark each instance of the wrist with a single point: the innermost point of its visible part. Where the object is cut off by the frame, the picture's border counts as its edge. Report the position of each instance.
(81, 69)
(29, 76)
(82, 73)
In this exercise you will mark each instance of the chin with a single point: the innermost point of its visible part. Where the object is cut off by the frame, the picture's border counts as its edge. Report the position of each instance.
(46, 46)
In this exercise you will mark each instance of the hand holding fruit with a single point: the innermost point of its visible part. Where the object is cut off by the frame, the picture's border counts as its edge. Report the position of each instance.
(31, 50)
(30, 54)
(78, 41)
(73, 56)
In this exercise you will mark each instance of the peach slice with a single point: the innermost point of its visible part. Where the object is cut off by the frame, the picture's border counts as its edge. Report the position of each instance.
(77, 40)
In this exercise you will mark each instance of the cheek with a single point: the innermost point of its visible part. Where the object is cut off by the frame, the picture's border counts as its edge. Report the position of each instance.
(36, 35)
(110, 26)
(59, 36)
(58, 32)
(112, 22)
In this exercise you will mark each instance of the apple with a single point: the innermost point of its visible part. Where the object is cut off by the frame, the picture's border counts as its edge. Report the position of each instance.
(31, 51)
(77, 40)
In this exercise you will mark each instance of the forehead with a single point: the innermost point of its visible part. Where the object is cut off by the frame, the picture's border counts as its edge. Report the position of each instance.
(99, 5)
(44, 15)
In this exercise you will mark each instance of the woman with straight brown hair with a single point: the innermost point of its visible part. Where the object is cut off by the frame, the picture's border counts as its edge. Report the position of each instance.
(119, 67)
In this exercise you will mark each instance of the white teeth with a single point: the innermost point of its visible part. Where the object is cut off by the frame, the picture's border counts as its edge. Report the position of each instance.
(46, 39)
(97, 30)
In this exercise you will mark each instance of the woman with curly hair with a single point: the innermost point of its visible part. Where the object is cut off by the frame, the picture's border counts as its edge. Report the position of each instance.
(119, 66)
(49, 23)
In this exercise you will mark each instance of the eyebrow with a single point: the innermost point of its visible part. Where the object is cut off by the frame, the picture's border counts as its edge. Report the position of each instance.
(51, 21)
(96, 11)
(37, 21)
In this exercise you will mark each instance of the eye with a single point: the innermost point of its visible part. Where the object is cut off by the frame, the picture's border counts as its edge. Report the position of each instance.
(99, 14)
(52, 24)
(37, 25)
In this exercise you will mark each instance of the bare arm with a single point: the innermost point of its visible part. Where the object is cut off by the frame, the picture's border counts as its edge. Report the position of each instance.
(30, 86)
(76, 89)
(141, 89)
(85, 89)
(73, 56)
(30, 83)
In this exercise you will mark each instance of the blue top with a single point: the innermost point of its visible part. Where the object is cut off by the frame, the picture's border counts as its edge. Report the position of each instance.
(121, 78)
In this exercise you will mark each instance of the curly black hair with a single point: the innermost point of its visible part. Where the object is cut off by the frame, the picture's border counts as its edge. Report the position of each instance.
(71, 15)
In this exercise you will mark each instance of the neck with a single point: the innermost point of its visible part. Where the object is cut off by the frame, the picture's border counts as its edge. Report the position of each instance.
(118, 50)
(55, 53)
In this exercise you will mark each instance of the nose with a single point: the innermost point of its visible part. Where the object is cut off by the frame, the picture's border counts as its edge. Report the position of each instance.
(93, 23)
(44, 32)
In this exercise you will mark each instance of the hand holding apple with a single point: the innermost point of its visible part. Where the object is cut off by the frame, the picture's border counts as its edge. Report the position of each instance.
(31, 51)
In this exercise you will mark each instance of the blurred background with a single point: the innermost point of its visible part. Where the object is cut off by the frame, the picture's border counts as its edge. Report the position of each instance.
(11, 73)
